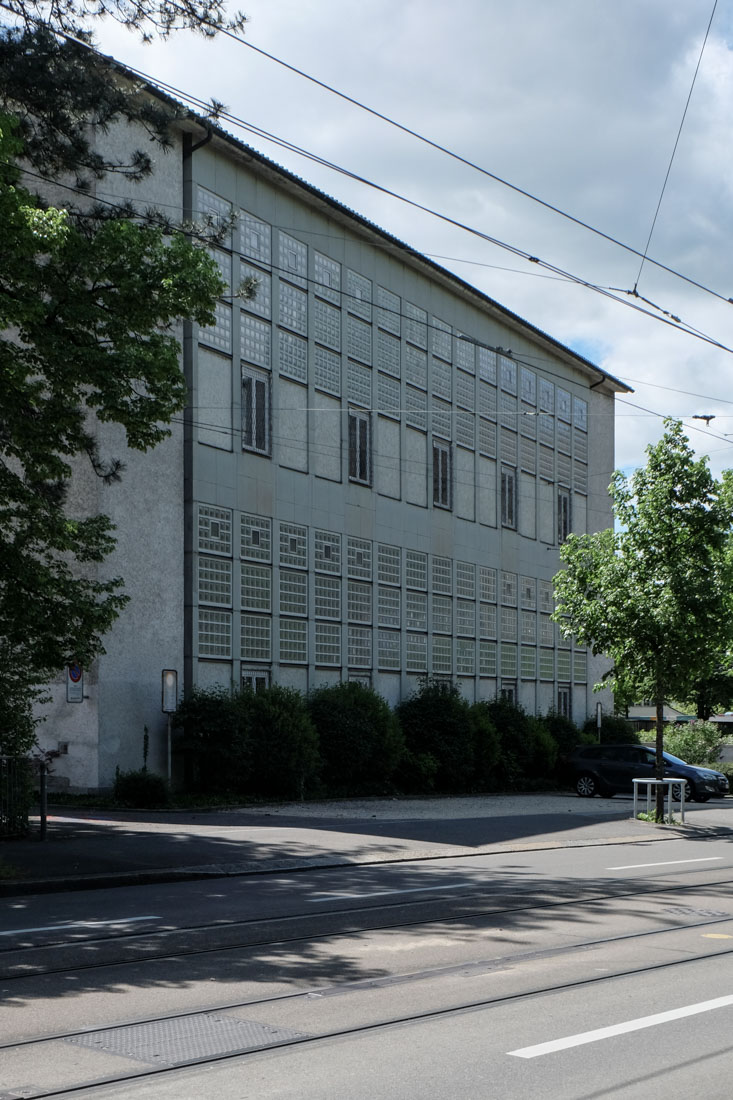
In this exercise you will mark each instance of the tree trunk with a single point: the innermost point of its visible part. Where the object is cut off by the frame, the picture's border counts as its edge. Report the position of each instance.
(659, 769)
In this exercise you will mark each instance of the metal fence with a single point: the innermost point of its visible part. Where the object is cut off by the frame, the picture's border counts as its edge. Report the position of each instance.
(16, 794)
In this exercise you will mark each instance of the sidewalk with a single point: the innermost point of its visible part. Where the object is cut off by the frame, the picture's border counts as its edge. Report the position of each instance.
(94, 849)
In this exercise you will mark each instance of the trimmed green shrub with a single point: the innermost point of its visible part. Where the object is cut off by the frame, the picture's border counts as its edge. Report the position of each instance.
(486, 749)
(215, 740)
(517, 741)
(615, 730)
(140, 790)
(543, 748)
(284, 742)
(695, 743)
(361, 742)
(437, 727)
(565, 732)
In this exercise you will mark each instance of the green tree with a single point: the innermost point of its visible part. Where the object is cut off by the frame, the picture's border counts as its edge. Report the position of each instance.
(654, 595)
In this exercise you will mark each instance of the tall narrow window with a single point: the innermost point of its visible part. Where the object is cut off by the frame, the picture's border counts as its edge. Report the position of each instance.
(441, 474)
(359, 447)
(563, 515)
(564, 706)
(508, 497)
(255, 411)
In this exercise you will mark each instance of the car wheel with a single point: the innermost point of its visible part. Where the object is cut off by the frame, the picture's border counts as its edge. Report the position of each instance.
(689, 792)
(701, 797)
(586, 786)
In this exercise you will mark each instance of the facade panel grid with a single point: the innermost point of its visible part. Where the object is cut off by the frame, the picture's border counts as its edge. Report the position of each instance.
(465, 390)
(416, 611)
(442, 614)
(487, 620)
(442, 379)
(466, 618)
(486, 364)
(358, 339)
(388, 606)
(441, 418)
(547, 664)
(547, 630)
(256, 587)
(465, 429)
(327, 552)
(563, 470)
(580, 414)
(416, 570)
(580, 442)
(256, 537)
(255, 239)
(389, 308)
(218, 335)
(214, 633)
(327, 324)
(293, 593)
(465, 353)
(293, 641)
(508, 624)
(563, 658)
(509, 447)
(388, 396)
(528, 662)
(580, 666)
(487, 583)
(416, 367)
(508, 588)
(528, 455)
(563, 406)
(487, 658)
(580, 477)
(528, 421)
(466, 579)
(293, 259)
(359, 558)
(508, 660)
(293, 356)
(216, 211)
(389, 564)
(487, 437)
(442, 575)
(416, 408)
(508, 375)
(547, 463)
(388, 353)
(465, 657)
(359, 647)
(214, 529)
(547, 396)
(547, 600)
(294, 545)
(293, 312)
(359, 602)
(529, 627)
(255, 638)
(327, 370)
(327, 597)
(261, 300)
(359, 381)
(528, 386)
(563, 437)
(358, 295)
(328, 644)
(528, 592)
(416, 646)
(546, 429)
(388, 650)
(327, 283)
(442, 340)
(215, 581)
(442, 648)
(416, 325)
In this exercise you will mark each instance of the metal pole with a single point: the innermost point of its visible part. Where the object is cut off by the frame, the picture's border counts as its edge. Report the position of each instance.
(43, 798)
(169, 749)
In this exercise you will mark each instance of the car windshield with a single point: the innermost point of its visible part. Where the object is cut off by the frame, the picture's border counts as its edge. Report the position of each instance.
(672, 759)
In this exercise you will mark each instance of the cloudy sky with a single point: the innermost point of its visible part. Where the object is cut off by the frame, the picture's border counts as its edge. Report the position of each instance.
(576, 102)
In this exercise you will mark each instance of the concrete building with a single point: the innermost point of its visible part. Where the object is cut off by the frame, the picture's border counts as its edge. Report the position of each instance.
(371, 481)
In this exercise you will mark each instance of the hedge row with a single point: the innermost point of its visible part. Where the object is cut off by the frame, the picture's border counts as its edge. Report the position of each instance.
(346, 740)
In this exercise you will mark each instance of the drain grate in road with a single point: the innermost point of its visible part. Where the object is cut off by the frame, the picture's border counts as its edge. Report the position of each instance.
(172, 1042)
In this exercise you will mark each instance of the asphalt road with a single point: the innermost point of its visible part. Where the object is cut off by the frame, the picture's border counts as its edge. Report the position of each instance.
(567, 973)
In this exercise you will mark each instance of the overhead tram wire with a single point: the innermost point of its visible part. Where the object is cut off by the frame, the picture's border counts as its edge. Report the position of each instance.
(477, 168)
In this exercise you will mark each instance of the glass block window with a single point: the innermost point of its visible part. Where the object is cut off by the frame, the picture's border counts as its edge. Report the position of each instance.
(327, 324)
(255, 638)
(486, 364)
(465, 352)
(214, 529)
(546, 429)
(508, 374)
(509, 447)
(442, 340)
(327, 282)
(417, 652)
(388, 606)
(528, 592)
(442, 655)
(293, 641)
(580, 414)
(547, 630)
(563, 640)
(509, 410)
(487, 400)
(528, 455)
(487, 437)
(441, 418)
(465, 657)
(416, 367)
(547, 599)
(359, 339)
(546, 463)
(442, 575)
(443, 614)
(563, 439)
(261, 301)
(416, 408)
(293, 308)
(256, 593)
(327, 552)
(358, 295)
(416, 325)
(388, 396)
(580, 666)
(466, 580)
(328, 644)
(487, 583)
(224, 262)
(563, 657)
(327, 597)
(416, 611)
(416, 570)
(528, 662)
(388, 649)
(465, 429)
(580, 477)
(218, 335)
(547, 664)
(294, 545)
(255, 239)
(508, 624)
(256, 341)
(293, 593)
(528, 422)
(388, 564)
(360, 647)
(442, 378)
(215, 210)
(528, 382)
(563, 406)
(529, 627)
(359, 382)
(292, 259)
(580, 441)
(359, 602)
(563, 470)
(388, 353)
(547, 396)
(215, 581)
(359, 558)
(487, 658)
(487, 620)
(215, 633)
(256, 541)
(508, 660)
(466, 618)
(388, 310)
(327, 370)
(509, 588)
(465, 390)
(293, 356)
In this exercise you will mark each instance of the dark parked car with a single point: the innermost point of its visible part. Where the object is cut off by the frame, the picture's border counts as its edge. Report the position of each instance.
(609, 769)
